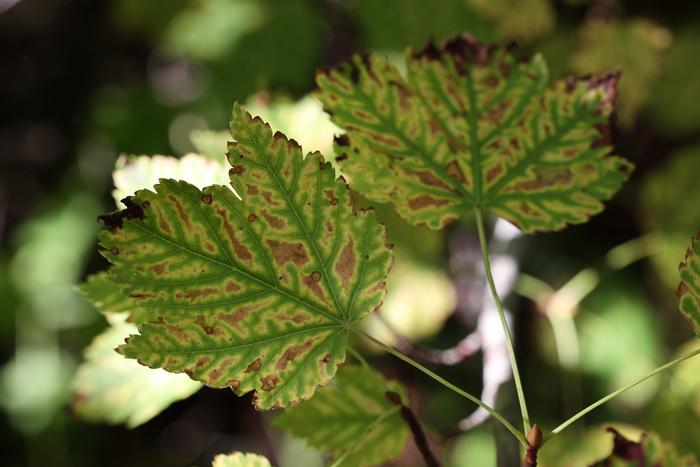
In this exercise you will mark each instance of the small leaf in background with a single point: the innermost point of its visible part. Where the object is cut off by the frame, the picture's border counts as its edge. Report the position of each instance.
(109, 388)
(649, 450)
(132, 173)
(689, 288)
(210, 144)
(522, 20)
(636, 47)
(256, 294)
(351, 413)
(674, 99)
(474, 125)
(239, 459)
(669, 208)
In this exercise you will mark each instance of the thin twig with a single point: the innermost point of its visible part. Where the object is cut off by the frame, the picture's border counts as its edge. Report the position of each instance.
(418, 435)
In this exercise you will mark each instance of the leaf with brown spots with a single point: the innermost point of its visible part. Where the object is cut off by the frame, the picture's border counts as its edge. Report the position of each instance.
(257, 293)
(352, 413)
(475, 126)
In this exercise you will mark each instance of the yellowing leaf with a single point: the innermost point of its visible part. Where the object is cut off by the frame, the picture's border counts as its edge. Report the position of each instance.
(474, 125)
(253, 294)
(689, 288)
(351, 413)
(239, 459)
(110, 388)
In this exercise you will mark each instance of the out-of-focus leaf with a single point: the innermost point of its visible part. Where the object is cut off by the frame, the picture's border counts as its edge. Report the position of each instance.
(674, 99)
(637, 47)
(292, 251)
(669, 207)
(303, 120)
(210, 144)
(620, 340)
(110, 388)
(239, 459)
(649, 450)
(689, 288)
(521, 20)
(137, 172)
(394, 24)
(419, 300)
(208, 29)
(579, 448)
(351, 413)
(474, 125)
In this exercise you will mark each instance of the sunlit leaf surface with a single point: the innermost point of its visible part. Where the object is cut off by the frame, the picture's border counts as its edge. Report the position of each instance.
(351, 413)
(689, 288)
(255, 294)
(475, 125)
(239, 459)
(109, 388)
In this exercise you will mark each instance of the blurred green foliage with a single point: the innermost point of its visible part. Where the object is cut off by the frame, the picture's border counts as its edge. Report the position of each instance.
(186, 61)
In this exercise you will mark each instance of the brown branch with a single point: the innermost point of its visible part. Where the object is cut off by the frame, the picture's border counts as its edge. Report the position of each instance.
(418, 435)
(534, 439)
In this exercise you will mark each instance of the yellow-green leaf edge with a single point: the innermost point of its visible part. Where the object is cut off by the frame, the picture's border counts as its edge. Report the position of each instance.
(240, 459)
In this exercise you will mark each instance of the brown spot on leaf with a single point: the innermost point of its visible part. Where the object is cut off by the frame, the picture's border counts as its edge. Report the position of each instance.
(326, 358)
(284, 252)
(216, 373)
(192, 294)
(329, 225)
(494, 172)
(202, 361)
(332, 199)
(297, 319)
(269, 382)
(273, 221)
(428, 178)
(546, 177)
(206, 199)
(252, 190)
(313, 282)
(252, 217)
(254, 366)
(233, 384)
(162, 223)
(114, 251)
(453, 170)
(424, 201)
(141, 296)
(237, 316)
(345, 267)
(209, 246)
(239, 249)
(159, 268)
(291, 353)
(237, 169)
(115, 220)
(180, 210)
(232, 286)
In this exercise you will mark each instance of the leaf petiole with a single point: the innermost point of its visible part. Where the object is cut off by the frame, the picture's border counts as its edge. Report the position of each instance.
(616, 393)
(479, 217)
(519, 435)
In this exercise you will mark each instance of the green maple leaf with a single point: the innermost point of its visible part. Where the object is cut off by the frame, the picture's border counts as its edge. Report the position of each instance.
(240, 459)
(689, 288)
(253, 294)
(474, 125)
(351, 413)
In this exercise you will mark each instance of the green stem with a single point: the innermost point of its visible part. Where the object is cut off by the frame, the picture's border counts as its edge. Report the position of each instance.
(616, 393)
(501, 314)
(367, 432)
(520, 436)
